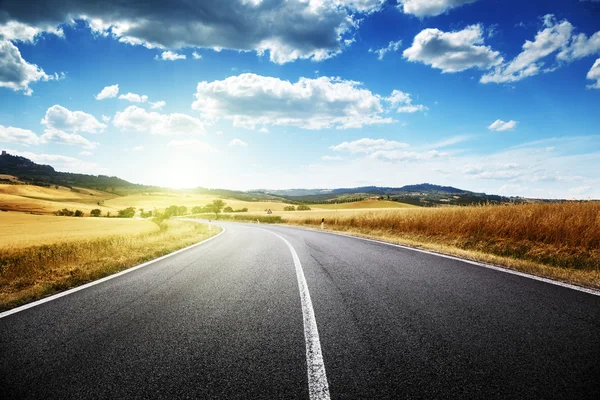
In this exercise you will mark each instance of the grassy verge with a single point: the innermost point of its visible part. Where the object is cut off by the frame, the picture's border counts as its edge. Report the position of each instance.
(30, 273)
(242, 217)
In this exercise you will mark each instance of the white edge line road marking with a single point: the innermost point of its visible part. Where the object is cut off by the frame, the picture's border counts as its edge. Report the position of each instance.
(489, 266)
(87, 285)
(318, 388)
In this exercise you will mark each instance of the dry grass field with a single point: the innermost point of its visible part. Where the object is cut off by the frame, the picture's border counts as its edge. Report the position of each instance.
(46, 200)
(370, 204)
(31, 272)
(23, 230)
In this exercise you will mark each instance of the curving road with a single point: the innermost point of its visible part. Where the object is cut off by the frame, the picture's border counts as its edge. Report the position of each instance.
(226, 320)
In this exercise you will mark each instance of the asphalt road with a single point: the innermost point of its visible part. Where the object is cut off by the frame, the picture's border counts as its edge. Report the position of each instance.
(225, 320)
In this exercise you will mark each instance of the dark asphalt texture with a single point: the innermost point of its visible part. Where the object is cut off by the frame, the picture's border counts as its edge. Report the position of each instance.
(224, 321)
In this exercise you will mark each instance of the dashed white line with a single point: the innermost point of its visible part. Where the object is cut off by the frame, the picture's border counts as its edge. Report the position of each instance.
(318, 387)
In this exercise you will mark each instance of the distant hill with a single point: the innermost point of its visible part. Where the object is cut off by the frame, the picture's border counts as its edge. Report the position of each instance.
(29, 172)
(424, 194)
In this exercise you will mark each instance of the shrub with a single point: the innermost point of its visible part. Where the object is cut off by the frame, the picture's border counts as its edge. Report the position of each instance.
(128, 212)
(79, 213)
(290, 208)
(95, 212)
(245, 209)
(303, 207)
(65, 212)
(228, 209)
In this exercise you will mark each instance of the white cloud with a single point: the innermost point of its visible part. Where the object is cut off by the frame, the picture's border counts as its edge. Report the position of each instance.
(196, 55)
(594, 75)
(453, 51)
(392, 46)
(331, 158)
(500, 125)
(105, 118)
(85, 153)
(554, 37)
(367, 145)
(580, 46)
(404, 102)
(580, 190)
(134, 118)
(171, 56)
(157, 105)
(16, 73)
(287, 29)
(60, 118)
(73, 139)
(16, 31)
(138, 148)
(238, 143)
(400, 155)
(191, 145)
(250, 100)
(9, 134)
(108, 92)
(134, 98)
(429, 8)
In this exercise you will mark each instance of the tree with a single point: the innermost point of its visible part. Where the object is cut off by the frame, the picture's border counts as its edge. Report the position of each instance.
(228, 209)
(217, 206)
(290, 208)
(197, 209)
(128, 212)
(79, 213)
(95, 212)
(303, 207)
(181, 210)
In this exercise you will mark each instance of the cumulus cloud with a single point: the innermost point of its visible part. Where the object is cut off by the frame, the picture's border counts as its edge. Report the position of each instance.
(137, 119)
(62, 119)
(500, 125)
(16, 73)
(400, 155)
(108, 92)
(157, 105)
(429, 8)
(287, 29)
(554, 37)
(134, 98)
(9, 134)
(252, 101)
(237, 143)
(453, 51)
(404, 103)
(196, 55)
(16, 31)
(392, 46)
(191, 145)
(498, 171)
(171, 56)
(594, 74)
(105, 118)
(73, 139)
(367, 145)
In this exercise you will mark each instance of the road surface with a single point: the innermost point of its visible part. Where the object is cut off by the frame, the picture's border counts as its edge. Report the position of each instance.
(226, 320)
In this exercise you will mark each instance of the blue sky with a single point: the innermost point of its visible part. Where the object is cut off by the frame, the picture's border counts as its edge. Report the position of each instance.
(486, 95)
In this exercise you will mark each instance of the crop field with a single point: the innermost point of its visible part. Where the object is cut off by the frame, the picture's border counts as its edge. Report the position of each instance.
(365, 204)
(46, 200)
(21, 230)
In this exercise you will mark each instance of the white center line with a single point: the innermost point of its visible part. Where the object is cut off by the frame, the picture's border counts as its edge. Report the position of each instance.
(318, 388)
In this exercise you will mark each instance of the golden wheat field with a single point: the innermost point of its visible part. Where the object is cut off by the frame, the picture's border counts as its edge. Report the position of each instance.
(21, 229)
(46, 200)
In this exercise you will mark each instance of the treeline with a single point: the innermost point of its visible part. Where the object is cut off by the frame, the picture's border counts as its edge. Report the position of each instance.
(301, 207)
